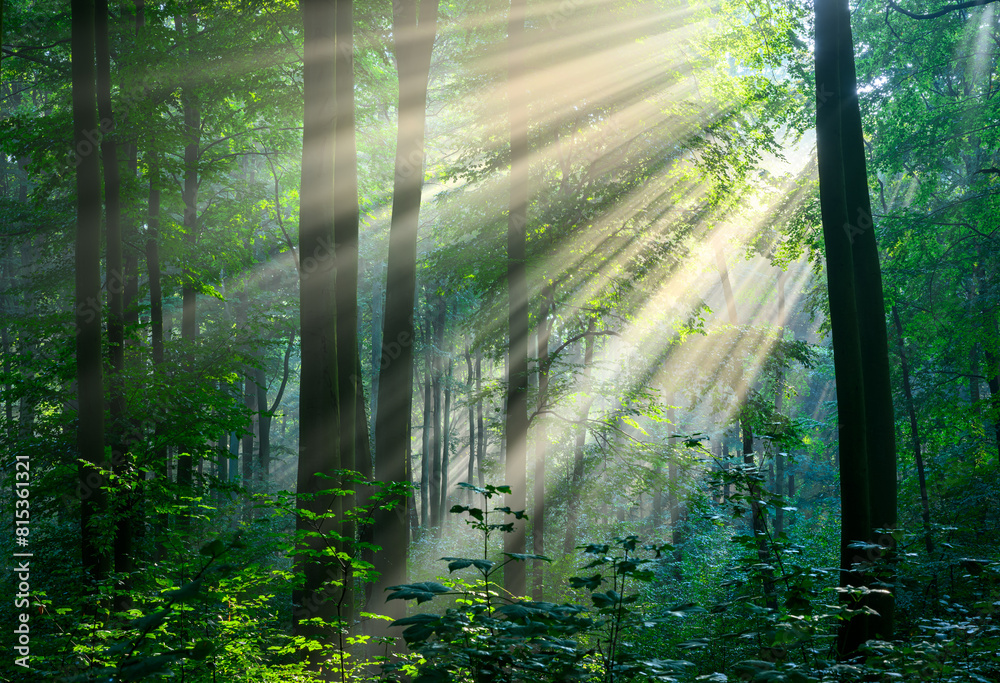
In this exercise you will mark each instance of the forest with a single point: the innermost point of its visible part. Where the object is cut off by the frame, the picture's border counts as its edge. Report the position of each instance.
(488, 341)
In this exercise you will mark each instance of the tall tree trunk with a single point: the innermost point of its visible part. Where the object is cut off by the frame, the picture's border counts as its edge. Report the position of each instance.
(263, 428)
(469, 388)
(446, 441)
(156, 326)
(427, 456)
(542, 338)
(115, 280)
(855, 510)
(880, 430)
(516, 424)
(413, 42)
(319, 417)
(89, 369)
(436, 323)
(378, 311)
(345, 230)
(779, 457)
(480, 420)
(914, 433)
(189, 195)
(576, 483)
(249, 399)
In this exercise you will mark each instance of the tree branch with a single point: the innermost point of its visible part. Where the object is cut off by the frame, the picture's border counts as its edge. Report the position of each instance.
(943, 11)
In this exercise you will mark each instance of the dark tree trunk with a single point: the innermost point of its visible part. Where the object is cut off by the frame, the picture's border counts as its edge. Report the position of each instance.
(161, 457)
(263, 428)
(345, 230)
(880, 430)
(89, 371)
(319, 417)
(853, 457)
(413, 42)
(427, 456)
(189, 290)
(437, 325)
(115, 281)
(446, 442)
(914, 433)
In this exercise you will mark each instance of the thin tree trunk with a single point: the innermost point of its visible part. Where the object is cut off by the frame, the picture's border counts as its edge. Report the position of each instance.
(469, 379)
(115, 281)
(427, 456)
(914, 433)
(542, 338)
(161, 455)
(516, 423)
(576, 483)
(480, 421)
(437, 325)
(263, 428)
(446, 442)
(345, 230)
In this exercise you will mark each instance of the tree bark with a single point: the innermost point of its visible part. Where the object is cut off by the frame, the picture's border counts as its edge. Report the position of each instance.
(89, 371)
(436, 323)
(414, 42)
(576, 483)
(516, 423)
(319, 416)
(446, 442)
(855, 511)
(880, 430)
(542, 337)
(914, 433)
(345, 231)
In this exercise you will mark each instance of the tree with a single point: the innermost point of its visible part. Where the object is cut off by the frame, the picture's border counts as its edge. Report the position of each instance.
(319, 424)
(89, 372)
(414, 42)
(516, 424)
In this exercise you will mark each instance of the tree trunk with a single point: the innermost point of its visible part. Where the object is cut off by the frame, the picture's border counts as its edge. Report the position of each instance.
(413, 42)
(115, 281)
(914, 433)
(263, 428)
(437, 325)
(345, 231)
(161, 455)
(855, 511)
(516, 424)
(541, 443)
(319, 417)
(469, 379)
(89, 370)
(446, 442)
(576, 483)
(426, 456)
(480, 421)
(880, 430)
